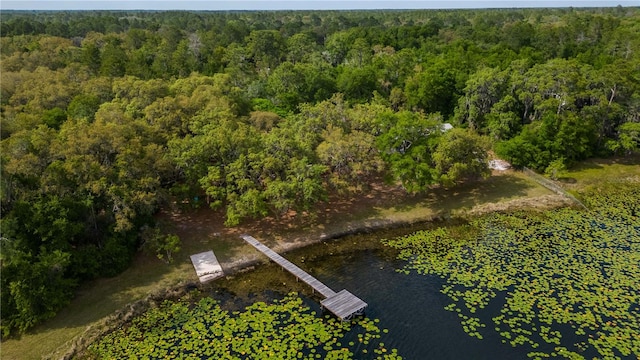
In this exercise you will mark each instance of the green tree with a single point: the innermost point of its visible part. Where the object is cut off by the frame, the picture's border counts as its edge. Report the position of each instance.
(184, 59)
(432, 89)
(351, 157)
(286, 84)
(91, 56)
(564, 136)
(630, 137)
(483, 90)
(306, 179)
(300, 47)
(461, 154)
(407, 147)
(357, 83)
(552, 87)
(54, 118)
(360, 53)
(34, 288)
(113, 58)
(140, 62)
(556, 169)
(502, 122)
(83, 106)
(266, 47)
(163, 246)
(337, 46)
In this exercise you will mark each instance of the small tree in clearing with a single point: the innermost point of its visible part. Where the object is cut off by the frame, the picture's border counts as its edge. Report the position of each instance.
(163, 246)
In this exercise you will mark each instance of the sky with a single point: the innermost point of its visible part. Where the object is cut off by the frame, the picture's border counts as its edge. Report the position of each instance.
(299, 5)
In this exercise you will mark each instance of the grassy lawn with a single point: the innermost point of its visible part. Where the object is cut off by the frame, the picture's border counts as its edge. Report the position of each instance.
(94, 302)
(203, 229)
(591, 172)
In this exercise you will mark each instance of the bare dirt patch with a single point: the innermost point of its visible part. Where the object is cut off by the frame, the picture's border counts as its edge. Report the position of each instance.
(381, 205)
(204, 228)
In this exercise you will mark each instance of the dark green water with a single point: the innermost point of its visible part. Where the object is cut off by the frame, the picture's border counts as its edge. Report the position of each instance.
(410, 306)
(574, 271)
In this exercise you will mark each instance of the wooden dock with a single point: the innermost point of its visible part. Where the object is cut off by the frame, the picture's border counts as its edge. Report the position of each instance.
(207, 266)
(343, 304)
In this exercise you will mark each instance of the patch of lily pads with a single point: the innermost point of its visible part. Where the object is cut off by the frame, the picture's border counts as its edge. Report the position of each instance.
(281, 329)
(565, 283)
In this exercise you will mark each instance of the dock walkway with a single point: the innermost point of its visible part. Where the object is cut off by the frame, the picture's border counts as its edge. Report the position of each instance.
(342, 304)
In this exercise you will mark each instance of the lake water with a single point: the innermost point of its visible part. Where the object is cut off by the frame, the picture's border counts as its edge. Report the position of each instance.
(563, 277)
(410, 306)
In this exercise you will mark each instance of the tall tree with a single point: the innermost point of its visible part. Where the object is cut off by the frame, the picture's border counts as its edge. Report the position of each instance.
(266, 47)
(113, 58)
(432, 89)
(407, 148)
(461, 155)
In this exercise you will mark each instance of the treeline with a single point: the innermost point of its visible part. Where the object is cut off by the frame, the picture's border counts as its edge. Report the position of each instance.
(108, 115)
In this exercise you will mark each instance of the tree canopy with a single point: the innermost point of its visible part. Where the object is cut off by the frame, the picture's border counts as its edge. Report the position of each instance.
(107, 116)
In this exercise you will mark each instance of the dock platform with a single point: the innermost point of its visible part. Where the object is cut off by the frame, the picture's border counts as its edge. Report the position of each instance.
(343, 304)
(207, 266)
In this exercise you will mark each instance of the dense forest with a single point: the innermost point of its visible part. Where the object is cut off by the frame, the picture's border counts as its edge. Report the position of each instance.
(107, 116)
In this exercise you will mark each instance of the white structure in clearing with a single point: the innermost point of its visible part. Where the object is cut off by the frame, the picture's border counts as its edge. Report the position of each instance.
(446, 127)
(498, 164)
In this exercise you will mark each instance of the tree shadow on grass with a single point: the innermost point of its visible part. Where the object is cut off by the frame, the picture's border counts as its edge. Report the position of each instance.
(93, 302)
(590, 171)
(102, 297)
(464, 196)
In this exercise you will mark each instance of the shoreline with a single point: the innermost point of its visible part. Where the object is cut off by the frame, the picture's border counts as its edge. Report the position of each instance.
(538, 203)
(526, 198)
(103, 301)
(249, 261)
